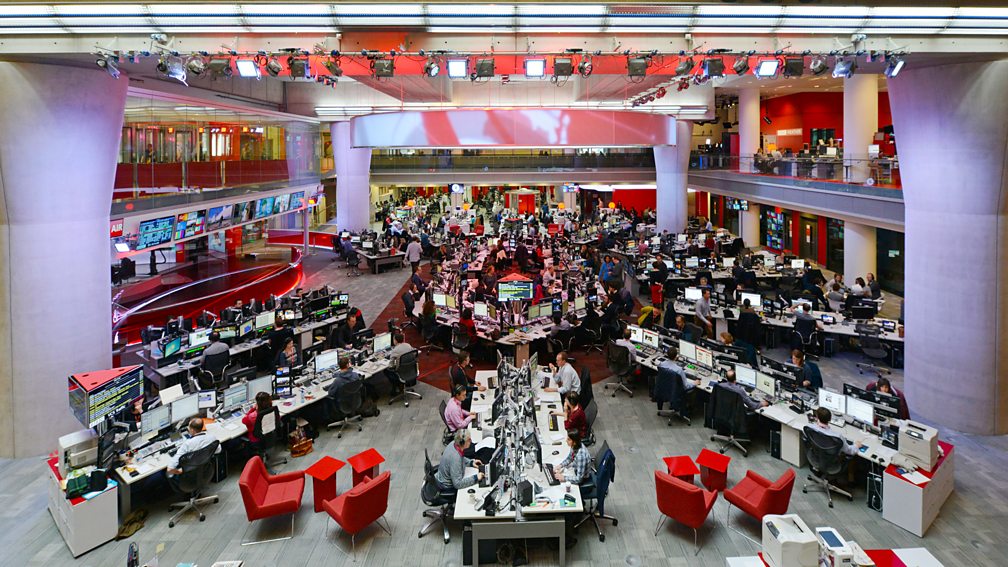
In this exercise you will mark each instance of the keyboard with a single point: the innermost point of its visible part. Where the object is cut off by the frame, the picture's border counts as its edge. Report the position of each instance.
(486, 480)
(553, 425)
(550, 475)
(152, 449)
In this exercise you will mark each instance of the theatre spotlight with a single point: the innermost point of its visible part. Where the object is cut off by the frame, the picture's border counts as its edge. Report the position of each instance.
(741, 65)
(197, 66)
(174, 68)
(893, 66)
(332, 65)
(432, 68)
(684, 67)
(273, 67)
(585, 66)
(818, 67)
(110, 63)
(844, 68)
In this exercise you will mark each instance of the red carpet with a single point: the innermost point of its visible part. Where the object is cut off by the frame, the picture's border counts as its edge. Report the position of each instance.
(434, 364)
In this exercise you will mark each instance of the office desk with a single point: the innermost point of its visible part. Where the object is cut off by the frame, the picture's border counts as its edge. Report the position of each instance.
(914, 507)
(314, 390)
(84, 522)
(914, 556)
(377, 261)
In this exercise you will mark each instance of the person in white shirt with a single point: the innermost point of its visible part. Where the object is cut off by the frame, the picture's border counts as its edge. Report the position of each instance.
(702, 311)
(823, 417)
(548, 277)
(709, 226)
(198, 439)
(566, 377)
(625, 343)
(413, 251)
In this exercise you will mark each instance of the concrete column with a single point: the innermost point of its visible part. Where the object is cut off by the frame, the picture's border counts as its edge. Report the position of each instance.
(952, 126)
(353, 179)
(858, 251)
(860, 122)
(749, 228)
(671, 168)
(59, 135)
(749, 128)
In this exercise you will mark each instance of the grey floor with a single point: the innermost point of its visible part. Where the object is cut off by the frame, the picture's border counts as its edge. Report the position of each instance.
(969, 530)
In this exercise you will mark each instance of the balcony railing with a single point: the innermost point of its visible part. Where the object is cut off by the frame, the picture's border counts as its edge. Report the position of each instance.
(878, 177)
(490, 162)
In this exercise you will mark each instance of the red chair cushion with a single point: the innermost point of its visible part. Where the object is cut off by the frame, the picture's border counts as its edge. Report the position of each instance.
(757, 497)
(358, 507)
(264, 495)
(683, 502)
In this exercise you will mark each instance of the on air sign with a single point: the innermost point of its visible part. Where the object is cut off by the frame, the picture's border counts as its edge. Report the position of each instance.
(115, 228)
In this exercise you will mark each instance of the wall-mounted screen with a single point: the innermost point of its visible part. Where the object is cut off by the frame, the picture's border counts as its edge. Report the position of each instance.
(155, 232)
(190, 224)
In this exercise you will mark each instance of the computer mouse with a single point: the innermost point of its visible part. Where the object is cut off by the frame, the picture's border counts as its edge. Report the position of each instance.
(472, 491)
(556, 452)
(482, 396)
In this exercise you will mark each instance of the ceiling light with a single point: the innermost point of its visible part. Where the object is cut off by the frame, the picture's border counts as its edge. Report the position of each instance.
(273, 67)
(197, 66)
(432, 68)
(563, 66)
(767, 68)
(219, 66)
(585, 66)
(637, 66)
(818, 66)
(247, 68)
(893, 67)
(300, 67)
(844, 68)
(741, 65)
(713, 67)
(110, 63)
(684, 67)
(383, 68)
(484, 68)
(458, 68)
(794, 66)
(534, 68)
(174, 68)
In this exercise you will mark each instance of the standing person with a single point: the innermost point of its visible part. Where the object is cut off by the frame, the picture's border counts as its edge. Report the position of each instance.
(702, 313)
(413, 252)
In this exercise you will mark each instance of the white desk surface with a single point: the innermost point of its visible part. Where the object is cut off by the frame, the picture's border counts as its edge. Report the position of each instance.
(914, 556)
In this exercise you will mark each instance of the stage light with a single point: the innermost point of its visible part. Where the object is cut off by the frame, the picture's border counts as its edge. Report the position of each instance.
(713, 67)
(333, 67)
(612, 205)
(484, 68)
(534, 68)
(684, 67)
(219, 67)
(197, 66)
(767, 68)
(794, 67)
(247, 68)
(585, 66)
(818, 67)
(741, 65)
(300, 68)
(637, 66)
(273, 67)
(563, 66)
(173, 68)
(458, 68)
(383, 68)
(432, 68)
(844, 68)
(893, 67)
(110, 63)
(766, 118)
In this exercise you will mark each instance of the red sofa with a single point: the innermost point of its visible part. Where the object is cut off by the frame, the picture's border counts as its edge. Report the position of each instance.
(685, 503)
(360, 506)
(758, 496)
(267, 495)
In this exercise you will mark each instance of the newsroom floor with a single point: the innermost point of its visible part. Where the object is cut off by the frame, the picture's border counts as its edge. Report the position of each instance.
(968, 531)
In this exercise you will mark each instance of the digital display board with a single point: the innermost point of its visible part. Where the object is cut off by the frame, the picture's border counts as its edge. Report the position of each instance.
(219, 217)
(282, 204)
(190, 224)
(155, 232)
(91, 406)
(264, 207)
(297, 200)
(514, 291)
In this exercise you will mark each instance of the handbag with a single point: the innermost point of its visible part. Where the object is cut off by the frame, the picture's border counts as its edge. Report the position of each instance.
(299, 443)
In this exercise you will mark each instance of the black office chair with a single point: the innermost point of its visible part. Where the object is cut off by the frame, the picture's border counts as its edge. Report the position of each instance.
(197, 471)
(212, 373)
(561, 341)
(586, 395)
(409, 319)
(872, 348)
(669, 389)
(407, 371)
(826, 460)
(728, 415)
(618, 362)
(267, 429)
(433, 494)
(349, 399)
(446, 435)
(353, 264)
(805, 336)
(429, 330)
(594, 491)
(749, 328)
(459, 338)
(591, 414)
(592, 335)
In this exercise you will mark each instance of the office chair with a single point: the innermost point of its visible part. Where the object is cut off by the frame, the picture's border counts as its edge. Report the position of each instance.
(826, 460)
(586, 395)
(593, 336)
(693, 332)
(805, 336)
(669, 388)
(591, 414)
(406, 371)
(749, 328)
(561, 341)
(353, 263)
(349, 400)
(197, 471)
(727, 414)
(433, 494)
(447, 434)
(618, 362)
(872, 348)
(266, 429)
(429, 330)
(408, 318)
(214, 369)
(459, 339)
(595, 489)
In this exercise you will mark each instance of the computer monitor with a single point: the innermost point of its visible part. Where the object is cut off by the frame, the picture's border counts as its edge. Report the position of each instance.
(451, 301)
(636, 334)
(579, 302)
(831, 151)
(863, 312)
(797, 264)
(670, 264)
(172, 347)
(367, 245)
(264, 384)
(755, 299)
(692, 262)
(728, 262)
(704, 357)
(833, 401)
(873, 151)
(289, 315)
(235, 396)
(185, 407)
(745, 375)
(651, 338)
(480, 309)
(170, 394)
(382, 342)
(687, 350)
(199, 337)
(766, 384)
(246, 328)
(860, 410)
(681, 238)
(440, 299)
(155, 419)
(828, 319)
(326, 359)
(889, 326)
(228, 332)
(631, 243)
(207, 399)
(265, 320)
(694, 294)
(514, 291)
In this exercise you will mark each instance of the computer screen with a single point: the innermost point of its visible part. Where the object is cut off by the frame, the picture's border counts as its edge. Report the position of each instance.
(651, 338)
(155, 419)
(340, 300)
(440, 299)
(199, 337)
(367, 245)
(704, 357)
(514, 291)
(480, 309)
(190, 224)
(185, 407)
(693, 294)
(265, 320)
(631, 243)
(680, 238)
(745, 375)
(670, 264)
(207, 399)
(579, 302)
(382, 342)
(326, 359)
(833, 401)
(766, 384)
(235, 396)
(636, 334)
(831, 152)
(755, 299)
(692, 262)
(797, 264)
(247, 327)
(264, 384)
(451, 301)
(828, 319)
(91, 407)
(687, 350)
(728, 262)
(228, 332)
(289, 315)
(171, 347)
(860, 410)
(155, 232)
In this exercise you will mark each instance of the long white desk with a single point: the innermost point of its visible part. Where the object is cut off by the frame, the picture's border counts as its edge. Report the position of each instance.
(915, 556)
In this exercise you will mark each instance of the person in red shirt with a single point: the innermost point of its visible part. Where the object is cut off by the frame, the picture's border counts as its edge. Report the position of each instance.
(263, 403)
(574, 415)
(467, 324)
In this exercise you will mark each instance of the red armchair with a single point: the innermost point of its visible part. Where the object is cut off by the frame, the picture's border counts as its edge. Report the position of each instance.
(266, 495)
(683, 502)
(360, 506)
(758, 496)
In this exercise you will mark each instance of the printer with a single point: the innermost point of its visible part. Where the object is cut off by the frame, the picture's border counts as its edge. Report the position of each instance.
(788, 542)
(78, 449)
(833, 549)
(919, 443)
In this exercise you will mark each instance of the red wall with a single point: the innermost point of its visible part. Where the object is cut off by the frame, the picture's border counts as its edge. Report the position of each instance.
(811, 110)
(639, 199)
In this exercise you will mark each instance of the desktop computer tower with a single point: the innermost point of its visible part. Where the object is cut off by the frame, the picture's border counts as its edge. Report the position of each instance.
(220, 467)
(896, 355)
(775, 441)
(487, 549)
(874, 492)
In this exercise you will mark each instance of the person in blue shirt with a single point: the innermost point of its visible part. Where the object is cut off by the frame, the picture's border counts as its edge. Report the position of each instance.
(810, 377)
(607, 264)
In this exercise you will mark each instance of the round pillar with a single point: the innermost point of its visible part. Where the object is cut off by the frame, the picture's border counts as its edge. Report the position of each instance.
(749, 228)
(671, 169)
(858, 251)
(860, 122)
(353, 179)
(749, 128)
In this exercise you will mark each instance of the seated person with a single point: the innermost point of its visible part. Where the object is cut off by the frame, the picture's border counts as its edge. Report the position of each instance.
(805, 314)
(835, 297)
(279, 334)
(574, 415)
(649, 317)
(467, 325)
(810, 378)
(625, 343)
(625, 300)
(672, 365)
(559, 325)
(456, 417)
(399, 348)
(734, 386)
(459, 378)
(874, 289)
(822, 421)
(216, 346)
(288, 357)
(564, 375)
(345, 376)
(343, 336)
(263, 404)
(577, 466)
(882, 385)
(450, 473)
(198, 439)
